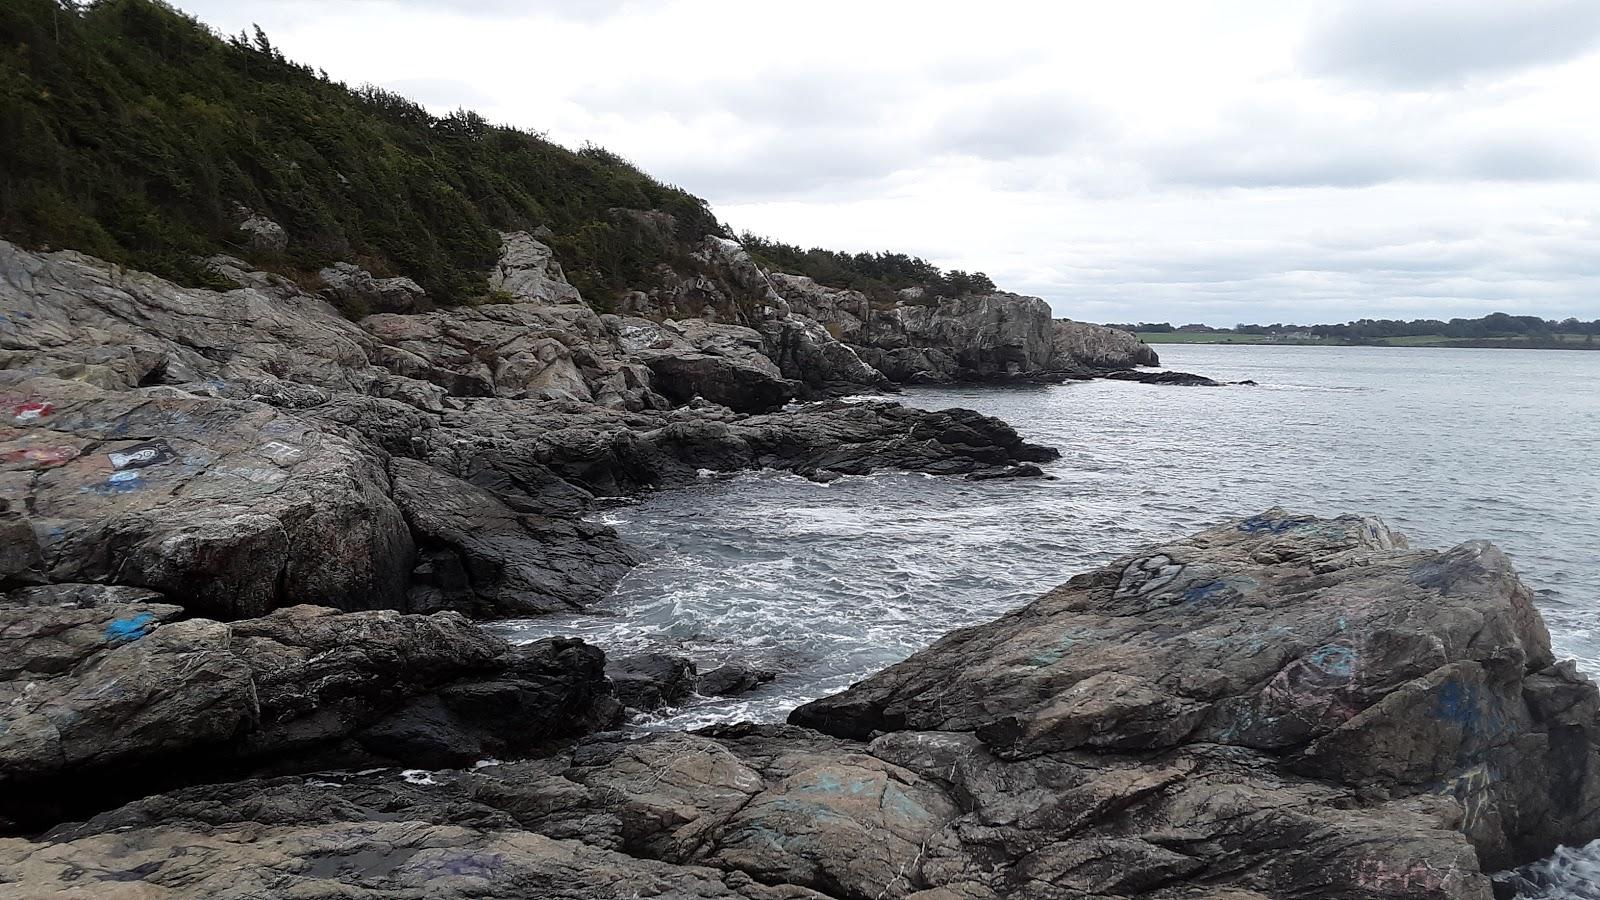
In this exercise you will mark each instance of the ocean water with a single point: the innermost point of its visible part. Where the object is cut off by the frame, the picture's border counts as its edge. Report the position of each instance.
(829, 583)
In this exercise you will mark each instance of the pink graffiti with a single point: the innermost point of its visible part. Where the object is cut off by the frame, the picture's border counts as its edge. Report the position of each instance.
(1384, 877)
(41, 456)
(29, 410)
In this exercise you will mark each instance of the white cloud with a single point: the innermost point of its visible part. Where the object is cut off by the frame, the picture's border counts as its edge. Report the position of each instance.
(1159, 159)
(1428, 43)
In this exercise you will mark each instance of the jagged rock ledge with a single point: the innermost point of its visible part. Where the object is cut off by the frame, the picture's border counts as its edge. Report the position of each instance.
(1279, 706)
(246, 450)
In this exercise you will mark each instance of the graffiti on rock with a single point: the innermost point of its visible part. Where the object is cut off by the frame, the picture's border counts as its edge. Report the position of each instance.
(31, 410)
(130, 628)
(1147, 575)
(42, 457)
(150, 453)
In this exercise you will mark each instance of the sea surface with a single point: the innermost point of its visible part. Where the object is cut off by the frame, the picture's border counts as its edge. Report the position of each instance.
(828, 583)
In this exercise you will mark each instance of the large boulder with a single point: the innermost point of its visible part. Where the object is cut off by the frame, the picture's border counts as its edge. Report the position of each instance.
(528, 272)
(109, 693)
(1322, 649)
(261, 235)
(723, 364)
(647, 681)
(231, 508)
(1099, 347)
(357, 290)
(481, 556)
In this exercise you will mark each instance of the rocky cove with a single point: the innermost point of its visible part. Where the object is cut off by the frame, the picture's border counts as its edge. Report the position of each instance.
(246, 540)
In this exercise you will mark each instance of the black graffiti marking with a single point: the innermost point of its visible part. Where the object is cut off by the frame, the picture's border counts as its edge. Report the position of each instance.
(1144, 576)
(150, 453)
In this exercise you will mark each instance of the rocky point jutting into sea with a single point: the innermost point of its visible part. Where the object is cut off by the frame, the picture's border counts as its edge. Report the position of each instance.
(245, 540)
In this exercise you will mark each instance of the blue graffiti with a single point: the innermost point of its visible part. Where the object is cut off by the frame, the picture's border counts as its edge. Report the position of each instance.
(118, 483)
(1199, 593)
(1258, 524)
(828, 783)
(131, 628)
(469, 865)
(1457, 703)
(1334, 660)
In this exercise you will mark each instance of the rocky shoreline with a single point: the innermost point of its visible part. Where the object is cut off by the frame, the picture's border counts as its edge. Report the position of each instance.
(1279, 706)
(245, 539)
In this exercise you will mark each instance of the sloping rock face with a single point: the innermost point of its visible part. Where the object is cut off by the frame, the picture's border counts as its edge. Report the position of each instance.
(235, 508)
(109, 692)
(1279, 707)
(1314, 649)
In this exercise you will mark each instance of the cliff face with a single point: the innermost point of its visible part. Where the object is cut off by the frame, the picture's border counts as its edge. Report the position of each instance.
(996, 335)
(1099, 347)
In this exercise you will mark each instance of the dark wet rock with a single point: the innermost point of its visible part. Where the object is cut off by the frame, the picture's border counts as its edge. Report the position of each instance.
(1027, 470)
(732, 678)
(112, 694)
(737, 384)
(647, 681)
(856, 438)
(1179, 379)
(481, 556)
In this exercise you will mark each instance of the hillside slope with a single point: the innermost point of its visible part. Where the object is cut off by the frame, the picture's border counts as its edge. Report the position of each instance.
(130, 131)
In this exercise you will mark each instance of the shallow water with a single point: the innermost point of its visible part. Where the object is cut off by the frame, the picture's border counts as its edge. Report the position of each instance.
(830, 583)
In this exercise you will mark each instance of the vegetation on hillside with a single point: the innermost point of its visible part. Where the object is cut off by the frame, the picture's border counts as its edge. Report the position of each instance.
(130, 131)
(878, 275)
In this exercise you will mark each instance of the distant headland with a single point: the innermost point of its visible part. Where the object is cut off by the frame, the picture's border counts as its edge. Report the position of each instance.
(1496, 330)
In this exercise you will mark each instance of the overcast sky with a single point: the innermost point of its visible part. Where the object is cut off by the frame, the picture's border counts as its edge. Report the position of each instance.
(1161, 161)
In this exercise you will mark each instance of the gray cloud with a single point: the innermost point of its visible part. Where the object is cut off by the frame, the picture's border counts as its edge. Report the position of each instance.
(1427, 43)
(1222, 282)
(1025, 125)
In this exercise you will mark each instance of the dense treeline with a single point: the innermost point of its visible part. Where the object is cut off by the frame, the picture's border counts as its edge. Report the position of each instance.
(1494, 325)
(130, 131)
(878, 275)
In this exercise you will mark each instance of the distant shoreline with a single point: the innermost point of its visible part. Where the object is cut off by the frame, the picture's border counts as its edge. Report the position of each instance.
(1567, 342)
